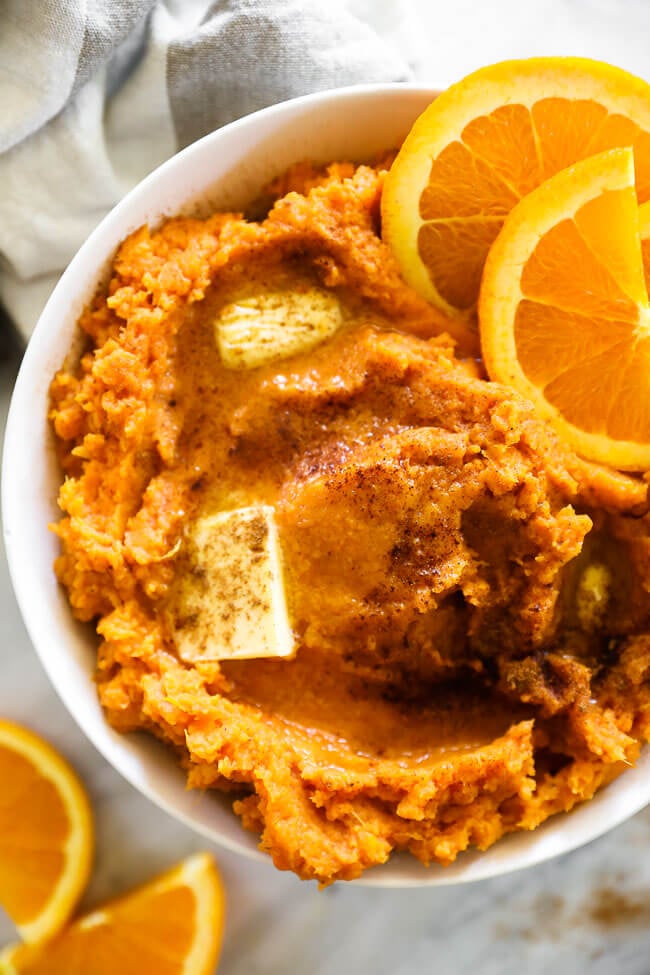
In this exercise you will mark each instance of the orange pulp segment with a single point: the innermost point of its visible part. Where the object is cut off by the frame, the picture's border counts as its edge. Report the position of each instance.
(563, 312)
(46, 834)
(171, 926)
(484, 144)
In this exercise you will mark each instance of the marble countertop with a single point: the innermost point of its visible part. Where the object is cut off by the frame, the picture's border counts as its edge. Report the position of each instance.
(590, 908)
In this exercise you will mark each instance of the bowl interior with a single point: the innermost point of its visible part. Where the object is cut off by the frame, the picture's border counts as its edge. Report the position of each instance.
(224, 170)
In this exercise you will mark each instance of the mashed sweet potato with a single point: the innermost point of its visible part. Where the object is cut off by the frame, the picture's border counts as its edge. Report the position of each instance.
(470, 601)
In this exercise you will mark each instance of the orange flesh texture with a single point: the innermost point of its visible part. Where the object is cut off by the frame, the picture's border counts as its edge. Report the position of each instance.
(34, 827)
(475, 181)
(141, 936)
(644, 231)
(583, 287)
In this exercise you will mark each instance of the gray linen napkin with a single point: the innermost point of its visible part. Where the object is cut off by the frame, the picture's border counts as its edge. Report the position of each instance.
(94, 95)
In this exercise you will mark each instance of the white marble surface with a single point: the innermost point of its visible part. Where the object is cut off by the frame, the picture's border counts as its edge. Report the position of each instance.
(589, 909)
(443, 40)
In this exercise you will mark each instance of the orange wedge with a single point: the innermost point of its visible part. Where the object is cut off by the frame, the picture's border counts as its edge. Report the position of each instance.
(46, 834)
(171, 926)
(485, 143)
(563, 311)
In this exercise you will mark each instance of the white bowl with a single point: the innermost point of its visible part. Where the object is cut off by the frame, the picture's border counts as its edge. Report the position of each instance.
(223, 170)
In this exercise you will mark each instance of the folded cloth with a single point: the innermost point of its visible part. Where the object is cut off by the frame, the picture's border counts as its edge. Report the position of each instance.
(94, 95)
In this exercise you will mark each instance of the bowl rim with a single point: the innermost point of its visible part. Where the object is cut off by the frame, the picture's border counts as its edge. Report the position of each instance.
(518, 850)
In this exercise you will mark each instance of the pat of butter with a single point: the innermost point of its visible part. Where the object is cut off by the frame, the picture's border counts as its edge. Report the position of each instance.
(231, 602)
(593, 595)
(275, 325)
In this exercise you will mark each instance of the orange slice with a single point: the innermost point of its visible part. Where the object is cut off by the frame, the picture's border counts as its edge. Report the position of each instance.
(484, 144)
(171, 926)
(563, 311)
(46, 834)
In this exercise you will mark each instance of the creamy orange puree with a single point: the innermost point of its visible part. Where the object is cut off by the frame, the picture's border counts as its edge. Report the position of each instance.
(458, 676)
